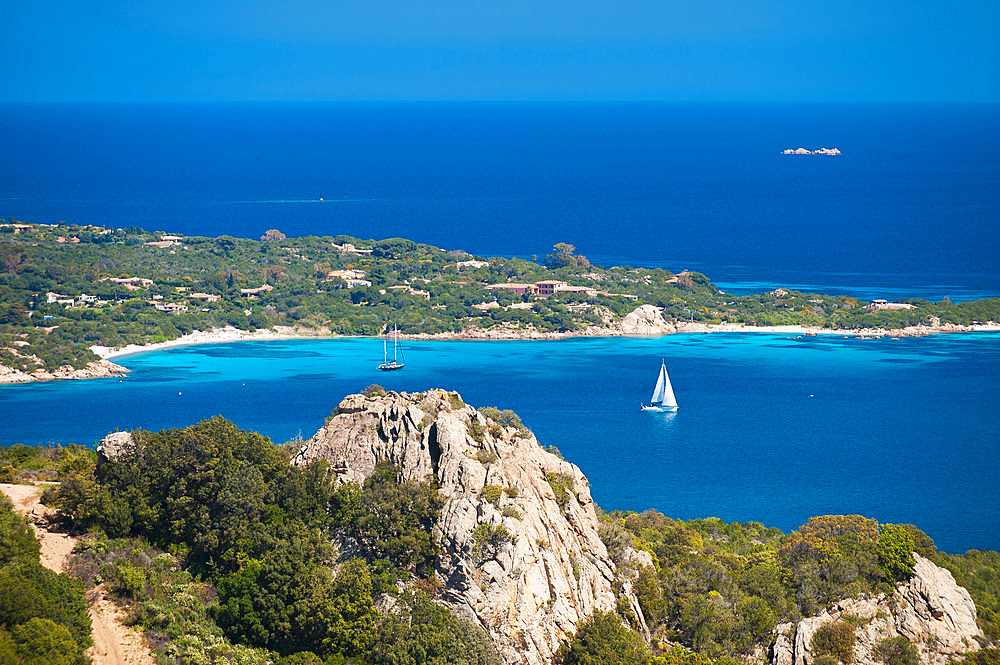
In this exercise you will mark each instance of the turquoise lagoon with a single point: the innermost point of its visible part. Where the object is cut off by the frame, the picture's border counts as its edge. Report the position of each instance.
(769, 428)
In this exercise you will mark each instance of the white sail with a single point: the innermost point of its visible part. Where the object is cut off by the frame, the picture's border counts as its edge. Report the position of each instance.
(663, 393)
(658, 390)
(667, 397)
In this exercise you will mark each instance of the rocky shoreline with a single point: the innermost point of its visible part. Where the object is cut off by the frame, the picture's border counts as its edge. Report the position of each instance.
(644, 321)
(98, 369)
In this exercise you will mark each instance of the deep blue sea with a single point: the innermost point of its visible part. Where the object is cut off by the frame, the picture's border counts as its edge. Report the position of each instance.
(769, 429)
(912, 207)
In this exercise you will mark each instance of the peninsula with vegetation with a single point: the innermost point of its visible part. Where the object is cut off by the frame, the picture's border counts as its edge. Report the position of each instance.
(71, 297)
(415, 529)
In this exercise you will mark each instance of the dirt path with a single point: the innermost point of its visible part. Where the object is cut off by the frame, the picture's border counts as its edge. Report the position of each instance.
(114, 642)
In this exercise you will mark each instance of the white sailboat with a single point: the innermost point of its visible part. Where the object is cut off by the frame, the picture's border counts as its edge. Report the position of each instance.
(397, 356)
(663, 393)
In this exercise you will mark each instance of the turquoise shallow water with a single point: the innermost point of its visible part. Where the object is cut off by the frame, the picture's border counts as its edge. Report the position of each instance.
(769, 428)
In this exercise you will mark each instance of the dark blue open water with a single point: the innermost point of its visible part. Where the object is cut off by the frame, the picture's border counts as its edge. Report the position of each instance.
(902, 431)
(912, 207)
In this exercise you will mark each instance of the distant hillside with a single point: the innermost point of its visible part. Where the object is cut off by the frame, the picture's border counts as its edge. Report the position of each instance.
(65, 288)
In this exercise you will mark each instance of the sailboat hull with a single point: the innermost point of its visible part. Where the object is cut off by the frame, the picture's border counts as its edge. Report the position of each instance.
(388, 367)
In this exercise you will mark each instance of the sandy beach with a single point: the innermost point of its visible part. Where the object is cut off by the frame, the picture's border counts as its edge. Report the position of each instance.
(104, 368)
(216, 336)
(229, 334)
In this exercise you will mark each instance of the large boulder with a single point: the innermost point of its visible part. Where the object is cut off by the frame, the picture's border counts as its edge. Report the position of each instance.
(646, 320)
(528, 591)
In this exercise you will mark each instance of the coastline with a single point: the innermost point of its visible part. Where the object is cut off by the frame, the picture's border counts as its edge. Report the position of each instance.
(104, 368)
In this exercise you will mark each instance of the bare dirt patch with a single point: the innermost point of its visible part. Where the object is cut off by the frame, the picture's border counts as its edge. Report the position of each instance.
(114, 642)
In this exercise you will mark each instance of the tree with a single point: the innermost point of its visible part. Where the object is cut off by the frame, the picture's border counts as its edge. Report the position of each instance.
(44, 642)
(895, 552)
(272, 234)
(430, 635)
(12, 257)
(564, 257)
(391, 519)
(649, 594)
(603, 639)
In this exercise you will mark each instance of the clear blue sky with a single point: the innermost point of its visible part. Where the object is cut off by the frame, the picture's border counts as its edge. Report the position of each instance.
(830, 50)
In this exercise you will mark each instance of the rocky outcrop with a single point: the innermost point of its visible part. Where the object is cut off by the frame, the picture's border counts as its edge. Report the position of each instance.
(527, 590)
(930, 610)
(94, 370)
(113, 445)
(646, 320)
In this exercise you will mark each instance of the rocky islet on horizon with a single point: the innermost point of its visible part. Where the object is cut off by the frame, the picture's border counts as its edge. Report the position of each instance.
(804, 151)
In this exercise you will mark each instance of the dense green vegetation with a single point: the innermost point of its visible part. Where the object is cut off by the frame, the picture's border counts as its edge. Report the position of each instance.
(43, 616)
(24, 464)
(200, 283)
(979, 572)
(719, 589)
(223, 552)
(223, 506)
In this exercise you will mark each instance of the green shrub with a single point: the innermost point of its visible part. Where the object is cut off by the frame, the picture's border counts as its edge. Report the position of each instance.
(553, 450)
(129, 580)
(489, 539)
(512, 492)
(477, 430)
(491, 494)
(990, 656)
(511, 511)
(562, 485)
(374, 390)
(835, 639)
(825, 659)
(895, 552)
(486, 456)
(897, 651)
(603, 638)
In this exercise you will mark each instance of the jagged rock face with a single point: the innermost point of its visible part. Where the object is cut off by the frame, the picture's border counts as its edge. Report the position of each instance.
(528, 594)
(646, 320)
(930, 610)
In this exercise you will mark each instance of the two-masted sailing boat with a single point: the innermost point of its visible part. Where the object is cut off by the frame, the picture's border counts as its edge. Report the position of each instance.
(397, 354)
(663, 394)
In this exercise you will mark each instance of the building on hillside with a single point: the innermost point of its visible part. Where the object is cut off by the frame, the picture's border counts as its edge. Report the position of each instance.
(171, 307)
(252, 293)
(585, 290)
(346, 274)
(519, 289)
(549, 286)
(879, 304)
(132, 283)
(348, 248)
(472, 263)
